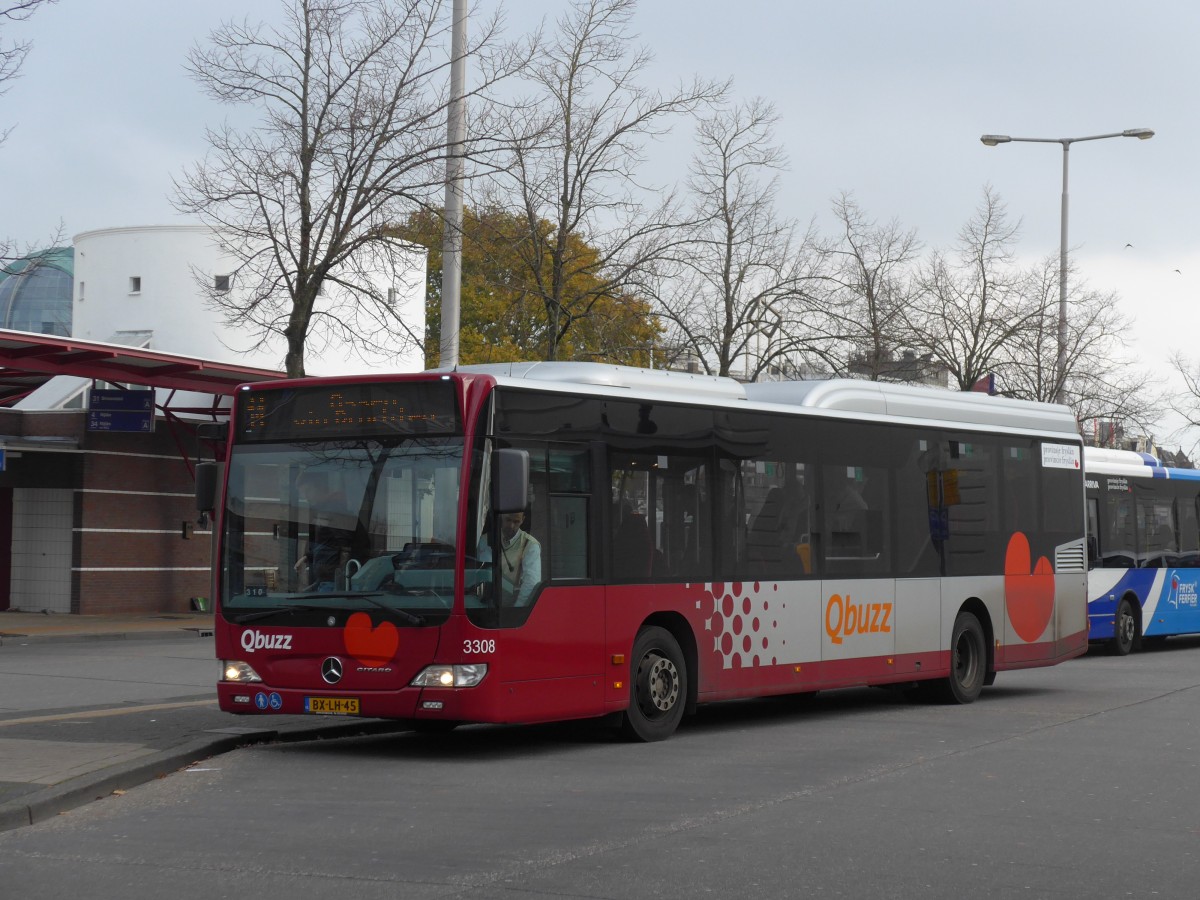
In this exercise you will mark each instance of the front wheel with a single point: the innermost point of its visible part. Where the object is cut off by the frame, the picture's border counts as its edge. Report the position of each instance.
(968, 660)
(658, 687)
(1125, 630)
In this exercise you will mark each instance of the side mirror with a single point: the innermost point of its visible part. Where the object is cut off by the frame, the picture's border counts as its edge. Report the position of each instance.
(213, 431)
(206, 486)
(511, 485)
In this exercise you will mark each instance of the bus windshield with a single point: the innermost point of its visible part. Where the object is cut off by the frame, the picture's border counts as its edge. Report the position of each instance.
(361, 524)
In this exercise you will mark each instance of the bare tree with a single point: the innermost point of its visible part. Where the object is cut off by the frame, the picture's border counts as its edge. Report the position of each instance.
(352, 97)
(868, 288)
(1102, 383)
(1187, 404)
(980, 313)
(13, 53)
(12, 56)
(573, 162)
(971, 302)
(735, 287)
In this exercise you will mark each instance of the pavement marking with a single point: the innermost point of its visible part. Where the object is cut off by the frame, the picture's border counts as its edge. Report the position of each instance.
(104, 713)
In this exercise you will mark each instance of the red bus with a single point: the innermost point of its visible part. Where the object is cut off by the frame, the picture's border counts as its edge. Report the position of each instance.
(532, 542)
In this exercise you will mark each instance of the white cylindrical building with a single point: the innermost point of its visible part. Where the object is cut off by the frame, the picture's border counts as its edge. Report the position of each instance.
(152, 279)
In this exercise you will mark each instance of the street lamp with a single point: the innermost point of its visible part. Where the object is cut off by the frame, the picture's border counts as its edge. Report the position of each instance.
(992, 140)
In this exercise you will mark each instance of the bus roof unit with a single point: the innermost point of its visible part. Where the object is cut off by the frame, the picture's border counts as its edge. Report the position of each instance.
(836, 394)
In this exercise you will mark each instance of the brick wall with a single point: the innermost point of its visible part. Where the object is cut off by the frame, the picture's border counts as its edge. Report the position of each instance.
(132, 493)
(136, 494)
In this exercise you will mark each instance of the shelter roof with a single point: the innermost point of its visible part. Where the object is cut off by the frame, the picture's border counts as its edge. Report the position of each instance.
(28, 354)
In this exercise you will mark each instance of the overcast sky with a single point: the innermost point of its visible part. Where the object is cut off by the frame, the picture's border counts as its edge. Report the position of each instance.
(886, 100)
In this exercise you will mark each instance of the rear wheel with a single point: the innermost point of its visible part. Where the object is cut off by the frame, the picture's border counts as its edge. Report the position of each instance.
(968, 660)
(1125, 629)
(658, 688)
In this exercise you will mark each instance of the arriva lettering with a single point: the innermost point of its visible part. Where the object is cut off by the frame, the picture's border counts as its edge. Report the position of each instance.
(844, 618)
(255, 640)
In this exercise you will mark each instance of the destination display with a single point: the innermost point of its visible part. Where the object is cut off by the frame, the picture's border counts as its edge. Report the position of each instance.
(347, 411)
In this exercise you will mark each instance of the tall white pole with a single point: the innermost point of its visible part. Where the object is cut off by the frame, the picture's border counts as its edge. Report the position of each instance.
(1060, 372)
(992, 140)
(456, 133)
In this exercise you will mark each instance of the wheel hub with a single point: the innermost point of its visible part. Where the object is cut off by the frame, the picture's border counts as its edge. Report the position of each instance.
(662, 682)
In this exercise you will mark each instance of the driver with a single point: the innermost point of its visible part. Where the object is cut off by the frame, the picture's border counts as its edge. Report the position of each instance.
(329, 545)
(520, 558)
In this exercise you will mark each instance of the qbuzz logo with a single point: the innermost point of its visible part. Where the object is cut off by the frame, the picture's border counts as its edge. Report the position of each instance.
(844, 618)
(255, 640)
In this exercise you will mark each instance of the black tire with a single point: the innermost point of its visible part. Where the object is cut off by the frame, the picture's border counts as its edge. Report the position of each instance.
(658, 687)
(968, 660)
(1125, 629)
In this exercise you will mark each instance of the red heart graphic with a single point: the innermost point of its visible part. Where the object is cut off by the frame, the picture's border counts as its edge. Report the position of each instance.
(370, 646)
(1028, 597)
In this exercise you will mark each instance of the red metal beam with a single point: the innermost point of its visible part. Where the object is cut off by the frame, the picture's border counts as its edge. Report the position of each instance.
(112, 362)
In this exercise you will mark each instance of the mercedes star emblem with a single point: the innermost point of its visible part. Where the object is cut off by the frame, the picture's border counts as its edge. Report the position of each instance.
(331, 670)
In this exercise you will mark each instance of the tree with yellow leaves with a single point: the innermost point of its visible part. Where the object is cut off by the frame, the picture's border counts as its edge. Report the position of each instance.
(503, 316)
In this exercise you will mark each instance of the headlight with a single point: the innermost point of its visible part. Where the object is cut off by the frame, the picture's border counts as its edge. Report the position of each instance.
(236, 670)
(450, 676)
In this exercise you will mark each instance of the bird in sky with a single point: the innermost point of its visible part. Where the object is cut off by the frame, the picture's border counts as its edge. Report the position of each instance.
(1129, 245)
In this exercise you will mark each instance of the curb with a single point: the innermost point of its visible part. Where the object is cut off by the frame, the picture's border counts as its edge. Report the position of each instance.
(83, 789)
(168, 635)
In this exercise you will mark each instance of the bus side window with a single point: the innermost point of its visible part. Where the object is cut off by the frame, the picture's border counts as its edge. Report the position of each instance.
(1093, 531)
(1117, 544)
(569, 479)
(632, 553)
(1189, 531)
(731, 514)
(855, 511)
(1156, 531)
(659, 517)
(521, 566)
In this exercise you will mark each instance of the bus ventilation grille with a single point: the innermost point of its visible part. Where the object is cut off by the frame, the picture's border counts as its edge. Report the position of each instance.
(1071, 557)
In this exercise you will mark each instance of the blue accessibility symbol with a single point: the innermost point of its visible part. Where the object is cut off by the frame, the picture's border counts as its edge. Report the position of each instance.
(276, 701)
(260, 700)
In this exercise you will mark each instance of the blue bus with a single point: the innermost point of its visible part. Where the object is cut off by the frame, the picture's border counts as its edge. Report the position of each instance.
(1143, 524)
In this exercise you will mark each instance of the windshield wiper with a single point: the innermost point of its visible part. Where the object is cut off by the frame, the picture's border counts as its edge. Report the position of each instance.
(275, 610)
(402, 614)
(409, 618)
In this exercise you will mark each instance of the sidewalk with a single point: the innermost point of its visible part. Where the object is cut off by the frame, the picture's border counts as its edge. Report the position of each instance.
(85, 715)
(17, 626)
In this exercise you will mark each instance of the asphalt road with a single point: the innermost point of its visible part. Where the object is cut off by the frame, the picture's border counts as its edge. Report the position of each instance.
(1077, 781)
(82, 718)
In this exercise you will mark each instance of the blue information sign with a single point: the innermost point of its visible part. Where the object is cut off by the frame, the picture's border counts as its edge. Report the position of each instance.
(112, 410)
